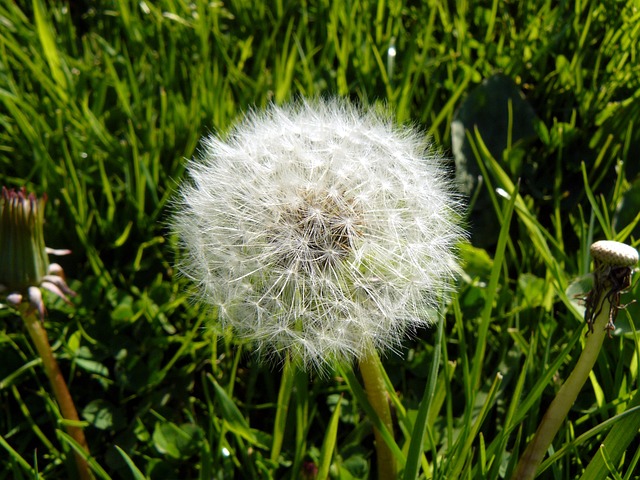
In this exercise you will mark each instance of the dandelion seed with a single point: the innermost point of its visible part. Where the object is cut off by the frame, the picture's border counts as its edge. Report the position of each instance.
(320, 231)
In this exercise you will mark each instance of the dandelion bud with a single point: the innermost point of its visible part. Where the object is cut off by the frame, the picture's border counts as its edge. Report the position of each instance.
(24, 261)
(23, 256)
(319, 230)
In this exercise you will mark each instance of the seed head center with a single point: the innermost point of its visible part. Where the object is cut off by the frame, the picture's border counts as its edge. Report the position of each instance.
(320, 230)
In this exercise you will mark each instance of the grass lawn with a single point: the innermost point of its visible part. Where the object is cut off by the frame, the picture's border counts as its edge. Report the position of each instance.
(534, 103)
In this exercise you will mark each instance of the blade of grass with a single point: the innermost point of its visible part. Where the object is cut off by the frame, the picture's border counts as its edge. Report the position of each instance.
(464, 454)
(49, 48)
(538, 234)
(301, 387)
(16, 457)
(135, 472)
(543, 381)
(53, 451)
(492, 287)
(497, 448)
(282, 409)
(617, 441)
(81, 452)
(233, 417)
(621, 437)
(361, 397)
(329, 442)
(604, 224)
(420, 426)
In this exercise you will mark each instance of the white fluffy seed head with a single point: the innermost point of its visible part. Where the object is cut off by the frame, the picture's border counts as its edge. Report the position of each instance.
(319, 231)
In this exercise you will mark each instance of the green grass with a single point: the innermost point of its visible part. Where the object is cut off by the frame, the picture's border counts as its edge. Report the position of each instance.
(101, 103)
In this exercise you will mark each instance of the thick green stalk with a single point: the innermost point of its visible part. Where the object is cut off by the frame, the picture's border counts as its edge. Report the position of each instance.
(564, 400)
(613, 262)
(377, 394)
(39, 337)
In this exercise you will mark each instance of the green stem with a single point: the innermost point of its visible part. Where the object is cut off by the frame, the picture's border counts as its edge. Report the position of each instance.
(61, 392)
(560, 406)
(377, 394)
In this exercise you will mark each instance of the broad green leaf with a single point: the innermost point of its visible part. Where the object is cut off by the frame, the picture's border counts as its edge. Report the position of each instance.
(103, 415)
(177, 441)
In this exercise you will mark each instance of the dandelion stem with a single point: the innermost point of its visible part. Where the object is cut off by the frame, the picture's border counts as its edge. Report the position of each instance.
(611, 277)
(562, 403)
(39, 337)
(377, 394)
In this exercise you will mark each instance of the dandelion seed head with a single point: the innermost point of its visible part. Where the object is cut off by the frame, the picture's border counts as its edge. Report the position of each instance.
(320, 231)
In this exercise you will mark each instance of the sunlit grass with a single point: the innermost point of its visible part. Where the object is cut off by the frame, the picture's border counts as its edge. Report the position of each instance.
(101, 104)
